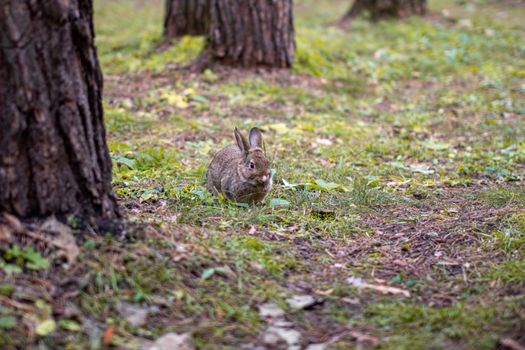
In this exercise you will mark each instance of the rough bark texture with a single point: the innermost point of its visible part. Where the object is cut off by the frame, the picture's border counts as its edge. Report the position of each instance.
(251, 33)
(53, 153)
(186, 17)
(379, 9)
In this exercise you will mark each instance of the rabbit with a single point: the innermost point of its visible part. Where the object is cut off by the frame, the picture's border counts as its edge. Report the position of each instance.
(241, 172)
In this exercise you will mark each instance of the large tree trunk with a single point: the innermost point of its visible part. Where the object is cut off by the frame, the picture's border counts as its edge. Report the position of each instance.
(53, 153)
(251, 33)
(186, 17)
(379, 9)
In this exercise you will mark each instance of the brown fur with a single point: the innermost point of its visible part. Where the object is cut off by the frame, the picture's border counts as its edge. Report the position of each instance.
(231, 174)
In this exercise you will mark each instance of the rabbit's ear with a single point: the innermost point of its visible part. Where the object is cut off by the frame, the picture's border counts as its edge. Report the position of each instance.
(241, 141)
(256, 140)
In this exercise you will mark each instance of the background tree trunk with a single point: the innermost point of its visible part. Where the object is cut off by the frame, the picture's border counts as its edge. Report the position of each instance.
(53, 153)
(186, 17)
(379, 9)
(252, 33)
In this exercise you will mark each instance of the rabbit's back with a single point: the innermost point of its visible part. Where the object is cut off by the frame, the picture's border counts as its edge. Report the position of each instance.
(223, 166)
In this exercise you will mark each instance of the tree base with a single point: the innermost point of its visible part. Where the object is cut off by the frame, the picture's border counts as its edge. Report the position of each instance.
(383, 9)
(54, 158)
(186, 17)
(251, 34)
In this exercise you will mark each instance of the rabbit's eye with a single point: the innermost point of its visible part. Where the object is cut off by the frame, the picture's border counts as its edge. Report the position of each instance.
(252, 165)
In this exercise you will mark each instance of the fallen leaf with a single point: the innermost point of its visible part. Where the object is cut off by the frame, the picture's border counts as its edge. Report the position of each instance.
(46, 327)
(328, 186)
(7, 322)
(279, 128)
(435, 145)
(293, 228)
(9, 225)
(320, 346)
(207, 273)
(421, 168)
(325, 292)
(364, 338)
(360, 283)
(173, 99)
(324, 142)
(289, 184)
(174, 341)
(270, 310)
(69, 325)
(13, 222)
(225, 270)
(351, 301)
(62, 238)
(279, 202)
(511, 344)
(273, 335)
(465, 23)
(133, 314)
(108, 334)
(299, 302)
(199, 99)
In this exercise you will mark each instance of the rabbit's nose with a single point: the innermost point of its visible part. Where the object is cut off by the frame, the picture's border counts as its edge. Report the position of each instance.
(264, 178)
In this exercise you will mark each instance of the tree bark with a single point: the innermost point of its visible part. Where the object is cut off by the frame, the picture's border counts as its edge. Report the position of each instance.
(251, 33)
(380, 9)
(186, 17)
(54, 158)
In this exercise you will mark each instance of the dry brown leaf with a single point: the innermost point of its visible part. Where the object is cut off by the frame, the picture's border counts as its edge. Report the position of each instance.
(13, 222)
(108, 334)
(9, 225)
(364, 338)
(63, 238)
(360, 283)
(511, 344)
(293, 228)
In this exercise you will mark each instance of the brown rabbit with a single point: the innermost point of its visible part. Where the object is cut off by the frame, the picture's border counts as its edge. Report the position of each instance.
(241, 172)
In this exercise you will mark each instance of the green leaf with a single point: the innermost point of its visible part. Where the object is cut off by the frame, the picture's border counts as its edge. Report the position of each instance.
(210, 76)
(207, 273)
(130, 163)
(35, 261)
(10, 268)
(435, 145)
(289, 184)
(90, 244)
(69, 325)
(46, 327)
(395, 280)
(329, 186)
(13, 253)
(318, 184)
(279, 202)
(279, 128)
(6, 289)
(149, 194)
(44, 308)
(7, 322)
(200, 99)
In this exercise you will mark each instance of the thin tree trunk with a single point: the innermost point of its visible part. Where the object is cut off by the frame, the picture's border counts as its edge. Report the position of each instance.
(251, 33)
(379, 9)
(186, 17)
(53, 153)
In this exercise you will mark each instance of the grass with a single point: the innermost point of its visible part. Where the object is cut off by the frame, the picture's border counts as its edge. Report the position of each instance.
(398, 157)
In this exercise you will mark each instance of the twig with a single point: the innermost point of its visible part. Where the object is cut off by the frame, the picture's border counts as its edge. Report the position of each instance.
(7, 301)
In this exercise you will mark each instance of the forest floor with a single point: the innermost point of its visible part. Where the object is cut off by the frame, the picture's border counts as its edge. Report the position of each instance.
(397, 219)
